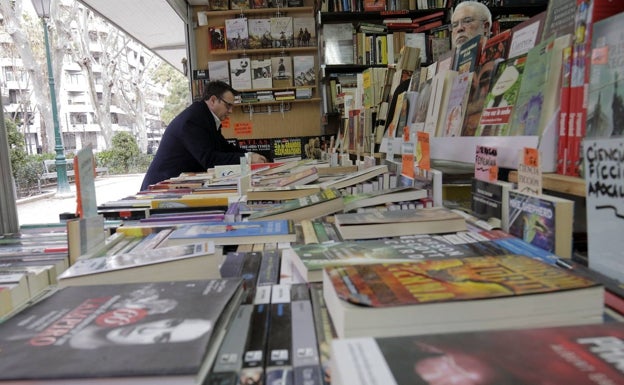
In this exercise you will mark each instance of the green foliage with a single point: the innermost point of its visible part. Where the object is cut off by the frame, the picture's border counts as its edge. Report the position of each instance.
(124, 157)
(17, 147)
(178, 87)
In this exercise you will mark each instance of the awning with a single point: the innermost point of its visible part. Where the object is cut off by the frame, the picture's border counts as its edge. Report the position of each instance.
(160, 25)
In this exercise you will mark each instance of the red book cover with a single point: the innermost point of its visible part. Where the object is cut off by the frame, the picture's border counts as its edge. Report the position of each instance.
(587, 13)
(374, 5)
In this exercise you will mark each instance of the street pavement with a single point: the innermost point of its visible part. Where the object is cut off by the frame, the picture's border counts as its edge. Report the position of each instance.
(46, 208)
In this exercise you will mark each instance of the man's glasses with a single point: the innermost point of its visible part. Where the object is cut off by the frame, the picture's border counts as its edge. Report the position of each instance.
(464, 21)
(227, 104)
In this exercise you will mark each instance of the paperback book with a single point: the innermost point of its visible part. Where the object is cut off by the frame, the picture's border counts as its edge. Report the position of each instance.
(555, 355)
(65, 336)
(234, 233)
(324, 202)
(470, 293)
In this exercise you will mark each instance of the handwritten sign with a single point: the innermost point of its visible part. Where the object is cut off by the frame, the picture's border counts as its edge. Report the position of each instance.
(243, 128)
(530, 172)
(423, 151)
(604, 178)
(486, 168)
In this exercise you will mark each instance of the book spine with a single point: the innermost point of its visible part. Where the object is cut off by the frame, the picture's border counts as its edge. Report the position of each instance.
(305, 356)
(232, 264)
(278, 362)
(269, 268)
(249, 273)
(323, 328)
(229, 360)
(252, 371)
(564, 112)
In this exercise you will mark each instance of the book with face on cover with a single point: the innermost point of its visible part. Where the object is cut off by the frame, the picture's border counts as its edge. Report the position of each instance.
(457, 294)
(147, 332)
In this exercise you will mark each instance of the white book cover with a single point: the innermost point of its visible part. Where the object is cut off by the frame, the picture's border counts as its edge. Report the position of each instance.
(219, 70)
(282, 71)
(303, 67)
(237, 33)
(259, 33)
(240, 73)
(304, 31)
(261, 73)
(282, 31)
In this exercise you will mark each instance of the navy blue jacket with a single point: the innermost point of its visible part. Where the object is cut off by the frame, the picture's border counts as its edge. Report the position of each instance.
(191, 143)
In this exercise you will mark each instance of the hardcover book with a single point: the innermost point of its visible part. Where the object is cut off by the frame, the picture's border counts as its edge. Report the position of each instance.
(240, 73)
(237, 33)
(259, 33)
(400, 222)
(261, 73)
(281, 68)
(303, 70)
(234, 233)
(338, 43)
(219, 70)
(162, 338)
(470, 293)
(544, 221)
(557, 355)
(282, 31)
(217, 37)
(304, 31)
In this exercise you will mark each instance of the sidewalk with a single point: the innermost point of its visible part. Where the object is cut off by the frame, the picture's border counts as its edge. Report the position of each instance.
(46, 208)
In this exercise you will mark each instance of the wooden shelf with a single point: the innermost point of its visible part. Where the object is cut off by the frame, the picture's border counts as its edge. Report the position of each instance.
(310, 100)
(261, 51)
(559, 183)
(259, 11)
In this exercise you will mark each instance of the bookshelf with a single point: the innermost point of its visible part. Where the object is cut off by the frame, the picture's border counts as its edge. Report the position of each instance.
(260, 119)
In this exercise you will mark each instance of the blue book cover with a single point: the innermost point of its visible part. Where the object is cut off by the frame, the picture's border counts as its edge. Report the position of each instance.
(235, 233)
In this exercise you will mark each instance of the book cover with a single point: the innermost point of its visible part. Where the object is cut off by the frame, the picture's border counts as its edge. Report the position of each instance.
(400, 222)
(468, 54)
(240, 73)
(544, 221)
(218, 5)
(311, 259)
(304, 70)
(217, 37)
(261, 193)
(261, 73)
(219, 70)
(564, 112)
(356, 177)
(459, 92)
(305, 31)
(489, 201)
(259, 33)
(472, 293)
(234, 233)
(560, 15)
(282, 31)
(158, 264)
(237, 33)
(239, 4)
(556, 355)
(217, 200)
(269, 268)
(501, 98)
(281, 68)
(153, 332)
(605, 103)
(324, 202)
(479, 89)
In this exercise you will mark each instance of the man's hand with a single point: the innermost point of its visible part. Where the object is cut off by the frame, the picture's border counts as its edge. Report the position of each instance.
(257, 158)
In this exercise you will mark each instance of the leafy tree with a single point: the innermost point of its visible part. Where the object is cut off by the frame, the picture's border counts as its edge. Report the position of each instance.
(123, 154)
(17, 149)
(179, 91)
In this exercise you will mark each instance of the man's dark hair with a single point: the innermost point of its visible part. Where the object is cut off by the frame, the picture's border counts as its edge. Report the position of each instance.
(218, 88)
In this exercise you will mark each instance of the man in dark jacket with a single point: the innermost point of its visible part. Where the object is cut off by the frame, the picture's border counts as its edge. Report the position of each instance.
(193, 141)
